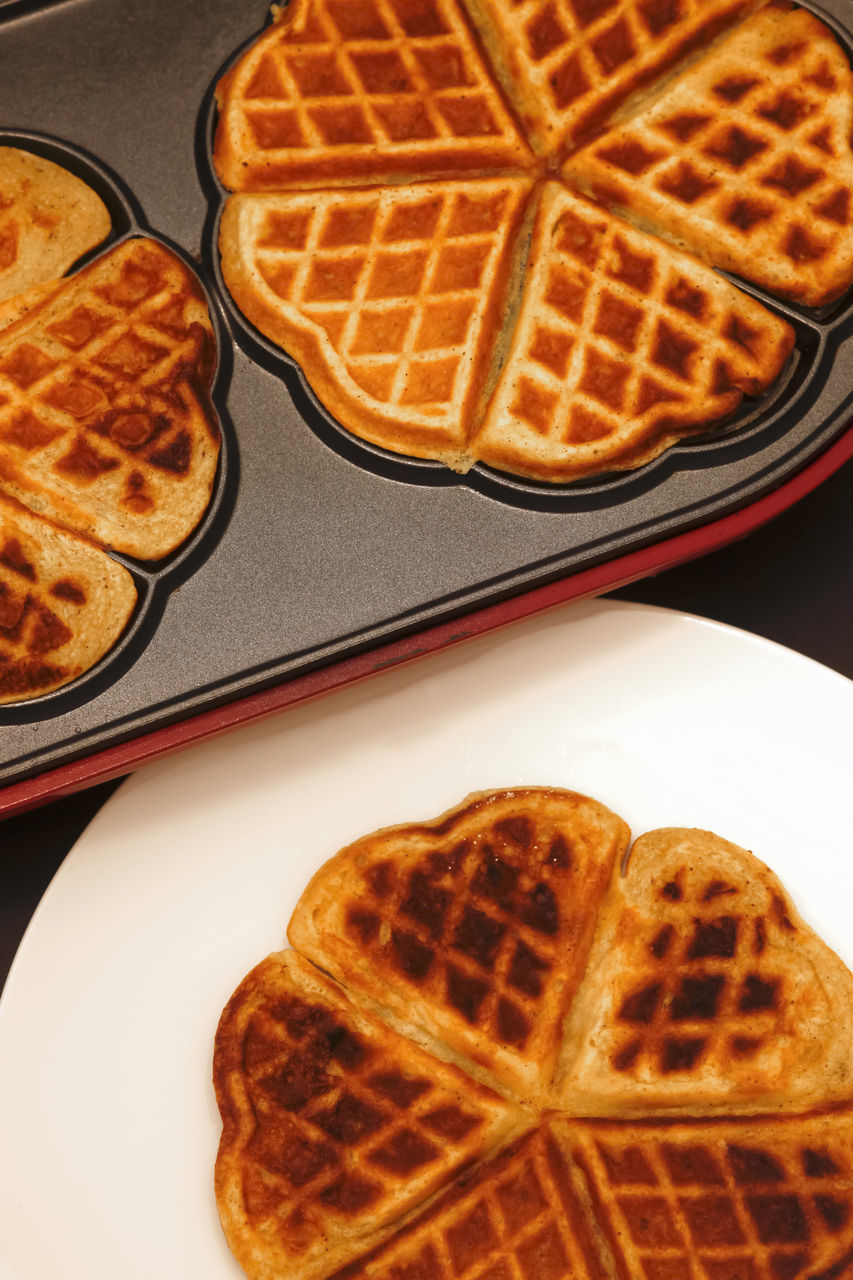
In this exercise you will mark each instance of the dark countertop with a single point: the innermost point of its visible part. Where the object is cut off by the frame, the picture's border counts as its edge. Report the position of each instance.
(791, 581)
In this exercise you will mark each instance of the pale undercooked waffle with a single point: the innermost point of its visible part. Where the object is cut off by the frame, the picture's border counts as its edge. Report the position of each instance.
(473, 930)
(352, 90)
(48, 219)
(105, 421)
(63, 604)
(705, 989)
(391, 298)
(623, 345)
(567, 64)
(630, 1013)
(333, 1124)
(746, 158)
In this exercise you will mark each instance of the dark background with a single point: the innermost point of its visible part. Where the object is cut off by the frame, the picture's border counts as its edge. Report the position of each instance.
(791, 581)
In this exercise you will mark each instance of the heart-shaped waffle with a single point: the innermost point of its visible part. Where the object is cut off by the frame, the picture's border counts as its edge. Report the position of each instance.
(745, 159)
(509, 942)
(340, 92)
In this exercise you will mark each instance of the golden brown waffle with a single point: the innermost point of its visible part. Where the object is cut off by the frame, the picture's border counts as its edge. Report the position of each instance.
(623, 345)
(704, 990)
(333, 1125)
(660, 999)
(746, 158)
(63, 603)
(568, 64)
(105, 421)
(518, 1217)
(349, 90)
(472, 931)
(48, 219)
(390, 298)
(767, 1200)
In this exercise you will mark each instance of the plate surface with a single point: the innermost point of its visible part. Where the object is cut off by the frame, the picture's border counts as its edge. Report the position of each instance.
(188, 875)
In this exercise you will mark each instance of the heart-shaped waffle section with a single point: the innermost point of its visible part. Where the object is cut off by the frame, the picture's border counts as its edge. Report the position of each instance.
(702, 992)
(48, 219)
(745, 159)
(63, 604)
(105, 421)
(472, 931)
(333, 1124)
(705, 989)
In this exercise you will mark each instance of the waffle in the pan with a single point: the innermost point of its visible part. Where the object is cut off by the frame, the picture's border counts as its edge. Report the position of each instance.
(746, 158)
(705, 989)
(48, 219)
(677, 1043)
(105, 421)
(63, 604)
(763, 1200)
(567, 65)
(517, 1217)
(354, 90)
(472, 930)
(390, 298)
(623, 345)
(333, 1124)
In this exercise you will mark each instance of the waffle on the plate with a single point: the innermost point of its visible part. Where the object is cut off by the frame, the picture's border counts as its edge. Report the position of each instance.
(705, 990)
(519, 1216)
(333, 1124)
(568, 64)
(762, 1200)
(63, 604)
(392, 298)
(623, 345)
(746, 158)
(673, 1044)
(105, 421)
(48, 219)
(354, 90)
(472, 931)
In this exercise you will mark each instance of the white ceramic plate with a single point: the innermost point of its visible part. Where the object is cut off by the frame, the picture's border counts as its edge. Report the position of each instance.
(108, 1125)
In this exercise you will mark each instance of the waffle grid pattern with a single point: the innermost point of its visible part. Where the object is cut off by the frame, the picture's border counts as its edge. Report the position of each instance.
(396, 280)
(752, 149)
(716, 998)
(97, 399)
(377, 83)
(614, 336)
(710, 1204)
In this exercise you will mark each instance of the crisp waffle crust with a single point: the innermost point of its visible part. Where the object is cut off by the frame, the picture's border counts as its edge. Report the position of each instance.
(365, 100)
(648, 1064)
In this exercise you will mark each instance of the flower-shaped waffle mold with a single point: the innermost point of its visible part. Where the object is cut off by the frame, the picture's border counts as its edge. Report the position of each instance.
(352, 135)
(109, 441)
(499, 1049)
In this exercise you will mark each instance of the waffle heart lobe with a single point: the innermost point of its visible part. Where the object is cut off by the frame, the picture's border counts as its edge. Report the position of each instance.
(623, 345)
(48, 219)
(342, 91)
(390, 298)
(745, 159)
(567, 65)
(706, 992)
(63, 604)
(333, 1124)
(105, 421)
(470, 932)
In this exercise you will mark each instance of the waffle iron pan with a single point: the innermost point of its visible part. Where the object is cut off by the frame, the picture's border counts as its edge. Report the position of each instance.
(316, 547)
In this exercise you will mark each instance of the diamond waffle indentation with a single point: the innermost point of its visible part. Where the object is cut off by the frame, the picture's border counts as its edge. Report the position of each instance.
(747, 168)
(620, 345)
(399, 90)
